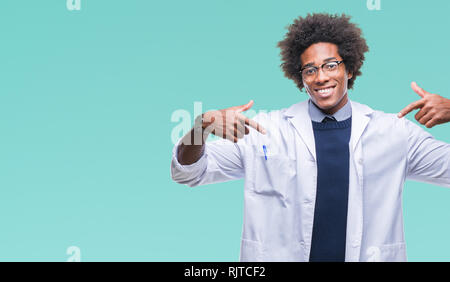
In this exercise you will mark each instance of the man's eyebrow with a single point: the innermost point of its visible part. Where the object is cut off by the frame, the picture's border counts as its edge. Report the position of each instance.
(329, 59)
(312, 64)
(308, 65)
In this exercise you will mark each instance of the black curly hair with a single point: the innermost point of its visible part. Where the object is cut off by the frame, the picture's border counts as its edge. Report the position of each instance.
(322, 27)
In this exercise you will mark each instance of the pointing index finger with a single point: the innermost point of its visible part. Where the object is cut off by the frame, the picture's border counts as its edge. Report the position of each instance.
(414, 105)
(253, 124)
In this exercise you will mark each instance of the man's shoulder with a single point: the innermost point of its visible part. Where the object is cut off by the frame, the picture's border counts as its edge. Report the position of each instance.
(381, 122)
(374, 114)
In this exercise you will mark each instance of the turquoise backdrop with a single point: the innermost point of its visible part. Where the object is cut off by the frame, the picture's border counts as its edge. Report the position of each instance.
(86, 104)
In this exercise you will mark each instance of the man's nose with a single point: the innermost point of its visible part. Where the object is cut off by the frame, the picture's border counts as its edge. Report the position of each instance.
(321, 77)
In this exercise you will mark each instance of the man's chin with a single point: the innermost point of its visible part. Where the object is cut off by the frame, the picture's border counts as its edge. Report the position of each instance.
(328, 104)
(325, 105)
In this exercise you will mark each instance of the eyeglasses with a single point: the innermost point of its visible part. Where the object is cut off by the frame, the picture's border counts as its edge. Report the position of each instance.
(309, 73)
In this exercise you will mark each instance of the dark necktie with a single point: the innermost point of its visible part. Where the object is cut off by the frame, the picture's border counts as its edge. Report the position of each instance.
(329, 119)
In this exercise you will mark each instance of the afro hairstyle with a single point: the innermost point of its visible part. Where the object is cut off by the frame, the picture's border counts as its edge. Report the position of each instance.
(322, 27)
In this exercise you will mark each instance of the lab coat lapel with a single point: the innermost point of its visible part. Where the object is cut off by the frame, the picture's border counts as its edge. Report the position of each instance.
(298, 116)
(360, 120)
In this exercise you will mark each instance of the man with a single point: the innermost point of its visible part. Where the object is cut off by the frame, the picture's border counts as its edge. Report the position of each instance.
(324, 177)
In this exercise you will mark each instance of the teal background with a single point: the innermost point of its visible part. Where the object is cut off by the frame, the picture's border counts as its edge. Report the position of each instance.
(86, 99)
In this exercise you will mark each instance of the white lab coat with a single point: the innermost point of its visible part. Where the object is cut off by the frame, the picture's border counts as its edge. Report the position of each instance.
(279, 193)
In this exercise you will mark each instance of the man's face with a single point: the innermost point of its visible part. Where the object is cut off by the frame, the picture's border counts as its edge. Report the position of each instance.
(328, 90)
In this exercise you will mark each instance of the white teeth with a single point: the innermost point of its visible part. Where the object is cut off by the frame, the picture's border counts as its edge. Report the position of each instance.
(323, 91)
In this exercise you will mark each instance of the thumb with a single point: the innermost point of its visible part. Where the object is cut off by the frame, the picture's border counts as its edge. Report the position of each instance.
(245, 107)
(418, 90)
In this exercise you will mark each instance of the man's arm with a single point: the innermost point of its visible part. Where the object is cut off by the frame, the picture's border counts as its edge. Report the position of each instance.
(195, 162)
(428, 159)
(228, 123)
(189, 154)
(434, 109)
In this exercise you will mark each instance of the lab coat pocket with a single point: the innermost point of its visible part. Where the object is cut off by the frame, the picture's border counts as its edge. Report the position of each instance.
(274, 175)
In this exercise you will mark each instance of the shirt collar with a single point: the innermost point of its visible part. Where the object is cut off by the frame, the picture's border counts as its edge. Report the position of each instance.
(317, 115)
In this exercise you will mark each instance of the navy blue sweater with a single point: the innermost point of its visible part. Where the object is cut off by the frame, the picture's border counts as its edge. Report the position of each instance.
(330, 212)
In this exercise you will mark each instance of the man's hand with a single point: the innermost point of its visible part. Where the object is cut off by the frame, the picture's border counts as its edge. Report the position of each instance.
(434, 109)
(230, 123)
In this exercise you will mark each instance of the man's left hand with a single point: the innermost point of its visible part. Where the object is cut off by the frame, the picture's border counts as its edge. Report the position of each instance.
(434, 109)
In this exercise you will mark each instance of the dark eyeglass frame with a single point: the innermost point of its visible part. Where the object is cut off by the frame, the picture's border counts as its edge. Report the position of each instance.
(321, 66)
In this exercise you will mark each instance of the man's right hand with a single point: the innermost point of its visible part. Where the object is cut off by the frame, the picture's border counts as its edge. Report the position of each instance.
(230, 123)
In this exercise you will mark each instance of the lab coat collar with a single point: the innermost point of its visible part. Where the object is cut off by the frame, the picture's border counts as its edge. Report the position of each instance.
(298, 116)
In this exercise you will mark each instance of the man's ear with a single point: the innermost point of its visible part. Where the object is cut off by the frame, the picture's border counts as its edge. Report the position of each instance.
(349, 75)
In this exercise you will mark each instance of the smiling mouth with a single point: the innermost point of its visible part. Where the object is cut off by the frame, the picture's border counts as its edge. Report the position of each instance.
(325, 91)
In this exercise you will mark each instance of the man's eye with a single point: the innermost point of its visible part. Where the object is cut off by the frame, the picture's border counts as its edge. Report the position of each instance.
(331, 66)
(310, 71)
